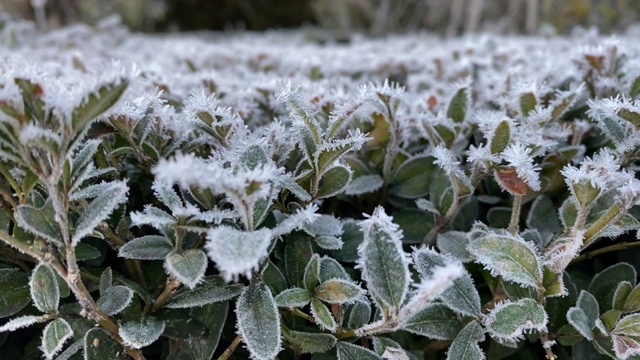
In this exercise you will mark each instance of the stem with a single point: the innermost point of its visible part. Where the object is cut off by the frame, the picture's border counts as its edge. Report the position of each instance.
(544, 337)
(20, 246)
(443, 221)
(229, 351)
(515, 214)
(596, 228)
(170, 288)
(604, 250)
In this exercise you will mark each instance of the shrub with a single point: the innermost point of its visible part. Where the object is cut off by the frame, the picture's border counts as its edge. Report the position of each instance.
(268, 191)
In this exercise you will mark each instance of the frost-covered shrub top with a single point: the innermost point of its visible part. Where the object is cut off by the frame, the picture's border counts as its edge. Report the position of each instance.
(265, 195)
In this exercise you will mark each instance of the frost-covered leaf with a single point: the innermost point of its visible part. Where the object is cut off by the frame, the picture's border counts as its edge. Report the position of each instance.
(604, 284)
(388, 349)
(210, 290)
(334, 181)
(71, 350)
(106, 280)
(152, 216)
(274, 278)
(508, 256)
(98, 345)
(454, 243)
(259, 321)
(465, 345)
(632, 301)
(141, 333)
(413, 178)
(100, 208)
(40, 221)
(364, 184)
(360, 314)
(414, 223)
(45, 292)
(54, 335)
(322, 315)
(148, 247)
(462, 296)
(96, 104)
(187, 266)
(348, 351)
(589, 304)
(509, 320)
(86, 252)
(168, 196)
(580, 321)
(237, 252)
(329, 152)
(331, 269)
(311, 273)
(309, 343)
(294, 297)
(337, 291)
(328, 242)
(436, 321)
(15, 293)
(115, 299)
(384, 264)
(626, 336)
(326, 225)
(22, 322)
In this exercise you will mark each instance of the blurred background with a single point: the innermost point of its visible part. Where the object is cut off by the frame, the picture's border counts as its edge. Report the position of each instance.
(341, 17)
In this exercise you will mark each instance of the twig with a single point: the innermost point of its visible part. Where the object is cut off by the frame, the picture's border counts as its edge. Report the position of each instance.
(606, 249)
(170, 288)
(20, 246)
(515, 214)
(229, 351)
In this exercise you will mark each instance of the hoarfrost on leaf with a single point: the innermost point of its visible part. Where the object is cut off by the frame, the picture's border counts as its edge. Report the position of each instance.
(237, 252)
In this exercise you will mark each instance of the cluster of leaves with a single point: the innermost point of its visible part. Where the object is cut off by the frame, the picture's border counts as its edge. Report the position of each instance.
(221, 193)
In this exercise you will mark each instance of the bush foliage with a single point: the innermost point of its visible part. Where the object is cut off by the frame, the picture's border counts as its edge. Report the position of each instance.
(261, 195)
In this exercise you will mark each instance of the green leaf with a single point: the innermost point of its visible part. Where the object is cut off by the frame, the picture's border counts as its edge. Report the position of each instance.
(331, 269)
(213, 316)
(437, 321)
(347, 351)
(115, 299)
(309, 343)
(86, 252)
(187, 266)
(465, 345)
(360, 314)
(528, 102)
(584, 350)
(632, 302)
(589, 304)
(580, 321)
(22, 322)
(459, 105)
(415, 224)
(259, 321)
(96, 104)
(329, 153)
(610, 318)
(501, 137)
(15, 293)
(441, 191)
(71, 350)
(253, 157)
(322, 315)
(334, 181)
(462, 296)
(106, 280)
(413, 177)
(383, 262)
(141, 333)
(328, 242)
(351, 240)
(543, 217)
(364, 184)
(508, 256)
(509, 320)
(297, 253)
(148, 247)
(628, 325)
(44, 289)
(311, 273)
(337, 291)
(98, 345)
(100, 208)
(294, 297)
(382, 345)
(212, 289)
(54, 335)
(604, 284)
(635, 88)
(40, 221)
(273, 277)
(455, 244)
